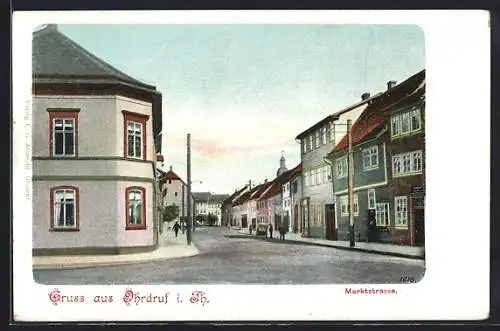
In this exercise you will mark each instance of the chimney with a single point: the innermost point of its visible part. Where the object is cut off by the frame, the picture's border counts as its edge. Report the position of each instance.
(391, 84)
(365, 95)
(265, 180)
(170, 168)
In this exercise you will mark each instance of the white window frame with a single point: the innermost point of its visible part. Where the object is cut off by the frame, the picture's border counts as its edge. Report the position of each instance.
(325, 174)
(407, 116)
(307, 179)
(304, 146)
(341, 167)
(407, 164)
(372, 199)
(316, 139)
(344, 202)
(69, 197)
(323, 135)
(382, 214)
(401, 211)
(136, 134)
(370, 158)
(310, 142)
(66, 128)
(318, 176)
(332, 132)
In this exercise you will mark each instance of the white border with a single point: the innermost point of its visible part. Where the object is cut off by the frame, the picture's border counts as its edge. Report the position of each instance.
(457, 130)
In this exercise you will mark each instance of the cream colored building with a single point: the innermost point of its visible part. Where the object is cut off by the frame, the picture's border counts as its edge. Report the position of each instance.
(96, 136)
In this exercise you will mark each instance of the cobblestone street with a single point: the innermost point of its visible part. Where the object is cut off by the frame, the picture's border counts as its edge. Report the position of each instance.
(224, 259)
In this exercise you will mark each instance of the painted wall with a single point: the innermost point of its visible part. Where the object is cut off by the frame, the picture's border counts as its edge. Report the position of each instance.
(98, 215)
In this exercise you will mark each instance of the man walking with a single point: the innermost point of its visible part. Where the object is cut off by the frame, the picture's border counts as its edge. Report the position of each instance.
(271, 230)
(176, 228)
(282, 231)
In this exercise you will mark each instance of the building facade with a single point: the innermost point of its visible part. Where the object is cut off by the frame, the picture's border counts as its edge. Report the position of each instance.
(406, 160)
(96, 135)
(291, 199)
(207, 203)
(318, 204)
(175, 191)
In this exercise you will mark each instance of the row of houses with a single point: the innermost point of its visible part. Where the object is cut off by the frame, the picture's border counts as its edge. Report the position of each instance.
(388, 152)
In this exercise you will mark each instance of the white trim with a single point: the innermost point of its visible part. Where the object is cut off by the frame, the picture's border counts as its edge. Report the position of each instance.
(385, 161)
(372, 150)
(374, 198)
(360, 188)
(396, 199)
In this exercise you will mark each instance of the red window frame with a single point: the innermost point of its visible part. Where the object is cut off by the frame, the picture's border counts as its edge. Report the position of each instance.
(129, 226)
(139, 118)
(62, 114)
(53, 226)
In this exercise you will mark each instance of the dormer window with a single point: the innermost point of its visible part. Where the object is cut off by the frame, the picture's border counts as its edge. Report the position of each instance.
(406, 122)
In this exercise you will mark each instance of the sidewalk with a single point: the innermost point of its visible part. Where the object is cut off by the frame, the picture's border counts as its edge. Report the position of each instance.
(366, 247)
(170, 248)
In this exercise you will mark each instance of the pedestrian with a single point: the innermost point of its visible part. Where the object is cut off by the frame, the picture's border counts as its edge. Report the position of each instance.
(271, 230)
(176, 228)
(282, 231)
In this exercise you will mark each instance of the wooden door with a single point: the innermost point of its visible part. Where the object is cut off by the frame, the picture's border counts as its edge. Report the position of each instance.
(331, 233)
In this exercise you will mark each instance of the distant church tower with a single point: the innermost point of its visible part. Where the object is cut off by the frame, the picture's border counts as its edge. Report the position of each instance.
(282, 167)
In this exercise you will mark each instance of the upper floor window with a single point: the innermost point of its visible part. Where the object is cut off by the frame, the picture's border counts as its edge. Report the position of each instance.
(64, 208)
(316, 139)
(318, 176)
(63, 132)
(371, 199)
(310, 143)
(406, 122)
(341, 166)
(136, 208)
(323, 136)
(304, 146)
(370, 158)
(407, 164)
(332, 132)
(135, 135)
(325, 174)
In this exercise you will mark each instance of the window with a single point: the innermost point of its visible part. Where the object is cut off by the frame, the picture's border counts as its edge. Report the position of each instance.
(344, 210)
(310, 147)
(323, 136)
(136, 208)
(370, 158)
(313, 177)
(325, 174)
(407, 163)
(135, 135)
(64, 207)
(63, 132)
(341, 167)
(382, 214)
(371, 199)
(306, 178)
(175, 194)
(406, 122)
(401, 211)
(332, 132)
(415, 119)
(318, 176)
(170, 181)
(316, 139)
(344, 205)
(304, 146)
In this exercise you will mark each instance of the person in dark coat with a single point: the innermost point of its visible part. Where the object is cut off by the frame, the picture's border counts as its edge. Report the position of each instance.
(282, 231)
(176, 228)
(271, 230)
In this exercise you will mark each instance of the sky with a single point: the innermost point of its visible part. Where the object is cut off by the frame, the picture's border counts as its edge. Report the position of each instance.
(244, 92)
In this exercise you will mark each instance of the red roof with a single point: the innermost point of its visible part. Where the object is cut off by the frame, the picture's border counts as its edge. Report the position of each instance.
(279, 181)
(367, 123)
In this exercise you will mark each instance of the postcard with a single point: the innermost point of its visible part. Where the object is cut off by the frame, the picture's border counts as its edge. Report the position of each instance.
(251, 165)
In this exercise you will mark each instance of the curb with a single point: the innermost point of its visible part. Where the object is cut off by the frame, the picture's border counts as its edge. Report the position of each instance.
(363, 250)
(84, 265)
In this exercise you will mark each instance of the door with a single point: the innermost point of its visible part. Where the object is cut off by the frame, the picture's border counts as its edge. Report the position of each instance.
(296, 219)
(372, 226)
(331, 233)
(244, 223)
(419, 227)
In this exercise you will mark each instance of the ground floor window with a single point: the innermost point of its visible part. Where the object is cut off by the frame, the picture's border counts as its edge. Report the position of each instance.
(64, 208)
(344, 205)
(401, 211)
(136, 208)
(382, 214)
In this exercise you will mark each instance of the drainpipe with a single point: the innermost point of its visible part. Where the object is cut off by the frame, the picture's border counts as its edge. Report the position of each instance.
(155, 206)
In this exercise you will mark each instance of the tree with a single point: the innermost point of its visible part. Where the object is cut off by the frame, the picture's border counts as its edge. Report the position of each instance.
(170, 213)
(211, 219)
